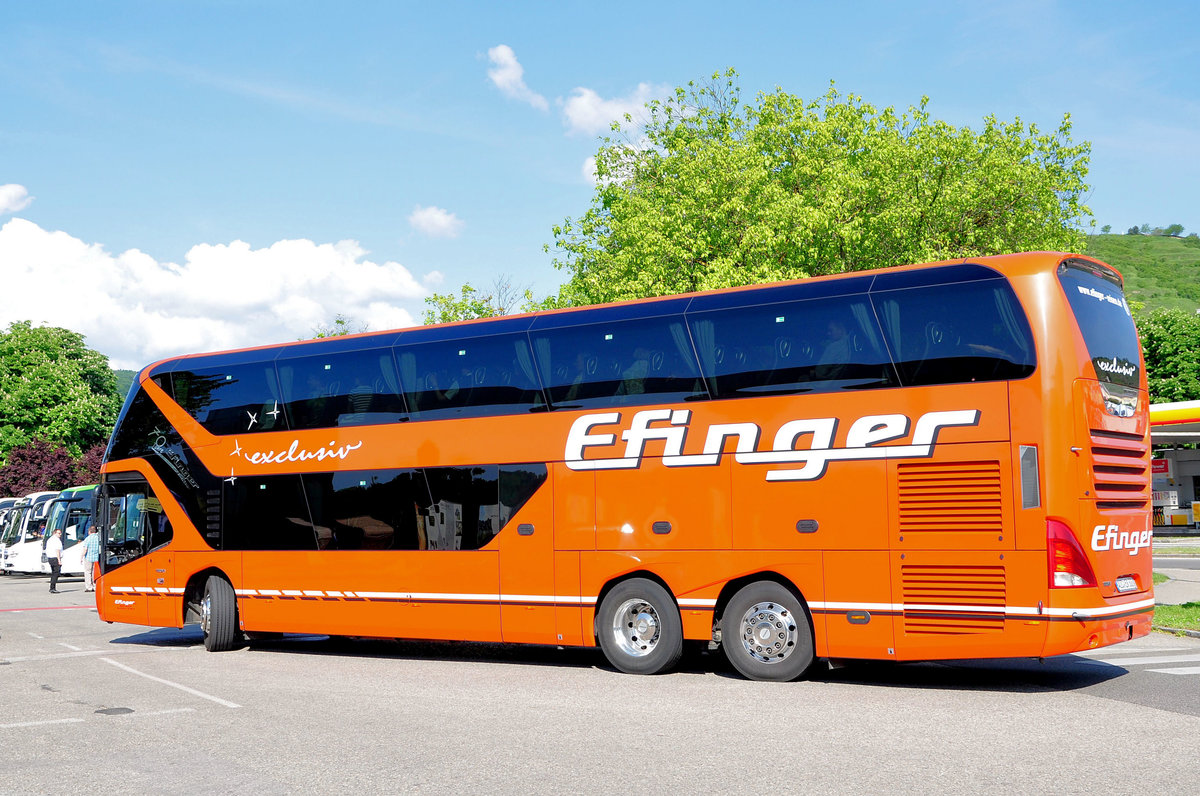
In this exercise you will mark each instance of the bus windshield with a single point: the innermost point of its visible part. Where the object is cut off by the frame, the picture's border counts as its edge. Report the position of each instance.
(1096, 298)
(12, 528)
(58, 513)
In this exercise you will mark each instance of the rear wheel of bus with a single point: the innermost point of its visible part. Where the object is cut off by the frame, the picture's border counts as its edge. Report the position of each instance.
(766, 633)
(218, 615)
(639, 628)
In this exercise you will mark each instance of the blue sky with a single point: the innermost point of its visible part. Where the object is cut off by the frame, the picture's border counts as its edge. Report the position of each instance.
(205, 175)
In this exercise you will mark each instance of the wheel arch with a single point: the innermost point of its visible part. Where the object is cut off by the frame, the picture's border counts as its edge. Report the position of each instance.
(644, 574)
(193, 592)
(734, 586)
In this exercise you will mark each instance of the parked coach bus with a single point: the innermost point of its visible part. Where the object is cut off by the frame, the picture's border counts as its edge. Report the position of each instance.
(71, 513)
(927, 462)
(24, 537)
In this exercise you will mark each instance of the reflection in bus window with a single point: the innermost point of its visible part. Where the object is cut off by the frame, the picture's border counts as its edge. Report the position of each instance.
(267, 513)
(622, 363)
(345, 388)
(945, 334)
(470, 378)
(464, 513)
(239, 399)
(802, 346)
(368, 509)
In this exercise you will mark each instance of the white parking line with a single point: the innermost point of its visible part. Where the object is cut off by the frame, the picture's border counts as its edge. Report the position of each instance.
(1145, 660)
(68, 646)
(52, 656)
(39, 723)
(1180, 670)
(184, 688)
(35, 635)
(1128, 649)
(135, 714)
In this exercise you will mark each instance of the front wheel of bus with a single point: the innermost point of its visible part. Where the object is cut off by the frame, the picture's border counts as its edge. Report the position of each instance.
(218, 615)
(639, 628)
(766, 633)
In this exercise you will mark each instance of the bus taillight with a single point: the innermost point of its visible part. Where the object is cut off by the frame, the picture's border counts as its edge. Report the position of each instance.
(1069, 567)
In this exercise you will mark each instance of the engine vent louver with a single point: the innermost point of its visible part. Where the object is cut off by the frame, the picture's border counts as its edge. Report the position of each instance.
(946, 600)
(1121, 477)
(950, 497)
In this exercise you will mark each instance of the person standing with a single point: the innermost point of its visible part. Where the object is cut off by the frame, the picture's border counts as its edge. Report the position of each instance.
(91, 557)
(54, 551)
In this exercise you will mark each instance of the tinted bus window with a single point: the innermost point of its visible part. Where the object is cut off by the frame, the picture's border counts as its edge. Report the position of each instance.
(239, 399)
(619, 364)
(821, 345)
(144, 432)
(946, 334)
(1103, 316)
(368, 510)
(465, 512)
(135, 522)
(267, 513)
(518, 482)
(469, 378)
(349, 388)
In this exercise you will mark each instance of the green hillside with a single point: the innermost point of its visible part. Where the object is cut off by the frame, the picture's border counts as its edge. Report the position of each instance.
(1160, 271)
(124, 381)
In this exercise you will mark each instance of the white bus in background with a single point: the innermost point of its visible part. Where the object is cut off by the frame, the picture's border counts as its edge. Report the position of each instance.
(6, 506)
(23, 537)
(71, 512)
(12, 530)
(10, 509)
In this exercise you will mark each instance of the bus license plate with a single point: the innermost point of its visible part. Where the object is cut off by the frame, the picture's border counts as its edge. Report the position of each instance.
(1126, 584)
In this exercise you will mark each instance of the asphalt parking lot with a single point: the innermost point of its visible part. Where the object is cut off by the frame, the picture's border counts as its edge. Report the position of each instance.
(97, 708)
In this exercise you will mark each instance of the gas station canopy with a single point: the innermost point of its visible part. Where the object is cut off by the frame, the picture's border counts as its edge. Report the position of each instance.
(1175, 422)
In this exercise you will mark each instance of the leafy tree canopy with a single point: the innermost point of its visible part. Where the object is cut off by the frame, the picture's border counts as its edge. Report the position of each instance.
(53, 385)
(1170, 340)
(341, 326)
(714, 193)
(503, 299)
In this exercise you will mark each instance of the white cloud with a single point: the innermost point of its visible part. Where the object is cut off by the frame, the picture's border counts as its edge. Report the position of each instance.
(137, 310)
(14, 198)
(587, 112)
(509, 76)
(436, 222)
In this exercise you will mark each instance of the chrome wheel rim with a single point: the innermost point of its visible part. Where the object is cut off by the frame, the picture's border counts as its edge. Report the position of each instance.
(205, 614)
(768, 632)
(636, 628)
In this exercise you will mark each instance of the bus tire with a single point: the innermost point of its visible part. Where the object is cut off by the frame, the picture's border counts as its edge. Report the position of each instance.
(639, 628)
(766, 633)
(218, 615)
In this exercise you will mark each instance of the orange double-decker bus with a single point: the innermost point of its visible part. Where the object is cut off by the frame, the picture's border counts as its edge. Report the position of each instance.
(927, 462)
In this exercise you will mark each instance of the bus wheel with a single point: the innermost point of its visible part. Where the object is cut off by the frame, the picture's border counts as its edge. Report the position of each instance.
(766, 634)
(639, 627)
(218, 615)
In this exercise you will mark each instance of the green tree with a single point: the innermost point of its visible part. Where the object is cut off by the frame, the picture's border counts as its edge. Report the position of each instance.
(1175, 230)
(1107, 228)
(713, 193)
(1170, 340)
(341, 326)
(472, 303)
(55, 387)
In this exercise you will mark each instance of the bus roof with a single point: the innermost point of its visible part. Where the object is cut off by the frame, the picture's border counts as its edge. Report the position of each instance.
(830, 285)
